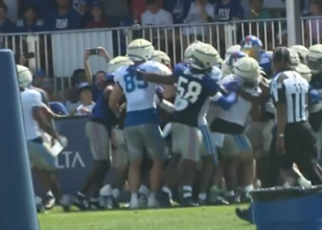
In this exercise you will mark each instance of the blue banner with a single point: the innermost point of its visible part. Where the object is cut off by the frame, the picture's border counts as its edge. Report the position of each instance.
(76, 160)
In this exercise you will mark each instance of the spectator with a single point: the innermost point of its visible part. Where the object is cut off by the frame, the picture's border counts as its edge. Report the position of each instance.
(43, 6)
(58, 108)
(178, 8)
(6, 26)
(155, 15)
(12, 9)
(117, 11)
(257, 11)
(38, 77)
(228, 10)
(313, 27)
(63, 18)
(138, 7)
(86, 100)
(200, 12)
(30, 21)
(80, 6)
(98, 18)
(275, 7)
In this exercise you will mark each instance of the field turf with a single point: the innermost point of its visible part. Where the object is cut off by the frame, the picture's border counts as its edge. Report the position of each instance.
(203, 218)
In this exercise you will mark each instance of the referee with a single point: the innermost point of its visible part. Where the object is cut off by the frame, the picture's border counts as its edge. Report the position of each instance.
(295, 140)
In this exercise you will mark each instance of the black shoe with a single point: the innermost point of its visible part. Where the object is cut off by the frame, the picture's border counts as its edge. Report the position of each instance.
(49, 202)
(188, 202)
(164, 200)
(242, 214)
(40, 208)
(95, 205)
(81, 202)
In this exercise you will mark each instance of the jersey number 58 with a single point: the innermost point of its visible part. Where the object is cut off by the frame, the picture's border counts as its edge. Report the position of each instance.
(187, 92)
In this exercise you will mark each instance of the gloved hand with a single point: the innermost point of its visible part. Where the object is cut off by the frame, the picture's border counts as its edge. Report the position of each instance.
(234, 85)
(314, 96)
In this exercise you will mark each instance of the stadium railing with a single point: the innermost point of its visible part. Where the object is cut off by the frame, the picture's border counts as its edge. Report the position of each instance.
(59, 53)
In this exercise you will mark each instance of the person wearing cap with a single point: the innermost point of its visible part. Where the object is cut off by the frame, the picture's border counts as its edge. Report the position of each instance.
(86, 104)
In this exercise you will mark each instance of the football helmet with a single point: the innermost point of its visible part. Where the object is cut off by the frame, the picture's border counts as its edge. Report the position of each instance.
(305, 71)
(203, 57)
(118, 62)
(234, 57)
(231, 50)
(188, 52)
(161, 57)
(314, 58)
(140, 50)
(24, 76)
(252, 46)
(301, 51)
(248, 69)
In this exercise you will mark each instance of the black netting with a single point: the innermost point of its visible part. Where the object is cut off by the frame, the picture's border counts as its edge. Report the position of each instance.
(282, 193)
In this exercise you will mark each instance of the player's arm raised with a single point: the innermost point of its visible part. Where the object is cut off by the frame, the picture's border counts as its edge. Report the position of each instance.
(225, 101)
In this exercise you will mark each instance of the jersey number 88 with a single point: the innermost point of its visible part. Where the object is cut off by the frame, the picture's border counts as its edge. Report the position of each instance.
(133, 82)
(187, 92)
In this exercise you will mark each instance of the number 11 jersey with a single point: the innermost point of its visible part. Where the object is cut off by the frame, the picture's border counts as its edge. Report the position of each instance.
(192, 98)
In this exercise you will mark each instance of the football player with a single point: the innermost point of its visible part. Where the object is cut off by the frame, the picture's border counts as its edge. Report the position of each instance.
(254, 48)
(195, 85)
(314, 59)
(236, 148)
(98, 130)
(302, 52)
(35, 123)
(141, 125)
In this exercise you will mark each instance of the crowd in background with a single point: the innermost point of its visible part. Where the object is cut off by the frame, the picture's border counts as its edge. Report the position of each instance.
(169, 15)
(56, 15)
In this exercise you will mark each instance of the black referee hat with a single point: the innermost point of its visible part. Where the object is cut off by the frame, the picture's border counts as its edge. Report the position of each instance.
(282, 54)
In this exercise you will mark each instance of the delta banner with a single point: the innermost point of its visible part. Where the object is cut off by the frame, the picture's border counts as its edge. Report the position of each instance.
(76, 160)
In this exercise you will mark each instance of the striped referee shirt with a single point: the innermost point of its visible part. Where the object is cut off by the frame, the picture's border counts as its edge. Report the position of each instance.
(291, 89)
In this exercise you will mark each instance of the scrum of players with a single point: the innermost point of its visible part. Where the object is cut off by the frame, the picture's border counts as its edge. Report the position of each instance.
(216, 114)
(205, 120)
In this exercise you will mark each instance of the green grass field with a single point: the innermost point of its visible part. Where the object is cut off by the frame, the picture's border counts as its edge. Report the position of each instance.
(203, 218)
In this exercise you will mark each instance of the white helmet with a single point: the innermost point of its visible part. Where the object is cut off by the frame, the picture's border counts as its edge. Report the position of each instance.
(24, 76)
(225, 68)
(295, 59)
(204, 56)
(301, 51)
(231, 50)
(305, 72)
(140, 50)
(161, 57)
(188, 51)
(118, 62)
(314, 58)
(248, 69)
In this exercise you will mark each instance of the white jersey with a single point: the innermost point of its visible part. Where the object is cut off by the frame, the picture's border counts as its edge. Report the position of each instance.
(140, 95)
(30, 98)
(239, 112)
(81, 112)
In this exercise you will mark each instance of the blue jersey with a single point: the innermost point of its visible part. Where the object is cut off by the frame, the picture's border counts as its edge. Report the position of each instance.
(102, 113)
(192, 100)
(265, 62)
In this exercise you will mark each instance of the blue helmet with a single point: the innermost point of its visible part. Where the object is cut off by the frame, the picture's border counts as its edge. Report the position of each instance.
(252, 46)
(234, 57)
(109, 78)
